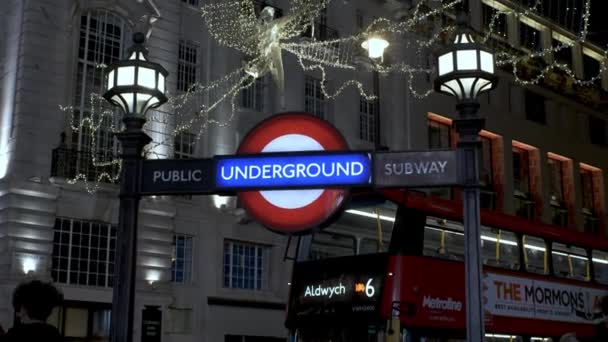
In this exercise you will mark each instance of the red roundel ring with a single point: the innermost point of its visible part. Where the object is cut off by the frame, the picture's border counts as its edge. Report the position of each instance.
(307, 209)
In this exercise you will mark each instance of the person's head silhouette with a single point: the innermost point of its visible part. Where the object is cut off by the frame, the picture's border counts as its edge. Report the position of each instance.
(34, 301)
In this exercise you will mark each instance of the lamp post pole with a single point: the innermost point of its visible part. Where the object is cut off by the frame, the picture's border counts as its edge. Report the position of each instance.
(468, 126)
(132, 140)
(135, 85)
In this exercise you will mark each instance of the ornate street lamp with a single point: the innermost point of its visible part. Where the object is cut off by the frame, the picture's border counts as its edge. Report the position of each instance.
(135, 85)
(465, 70)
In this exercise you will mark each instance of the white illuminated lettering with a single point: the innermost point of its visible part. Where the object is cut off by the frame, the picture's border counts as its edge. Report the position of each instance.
(224, 175)
(343, 168)
(329, 291)
(276, 171)
(310, 166)
(266, 171)
(240, 172)
(253, 168)
(289, 171)
(442, 165)
(300, 169)
(356, 168)
(409, 169)
(387, 169)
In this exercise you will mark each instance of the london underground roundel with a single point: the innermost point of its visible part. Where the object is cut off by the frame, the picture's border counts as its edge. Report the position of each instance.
(293, 211)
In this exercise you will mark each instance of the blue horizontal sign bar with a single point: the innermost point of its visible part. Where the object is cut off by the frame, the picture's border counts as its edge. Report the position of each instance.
(293, 171)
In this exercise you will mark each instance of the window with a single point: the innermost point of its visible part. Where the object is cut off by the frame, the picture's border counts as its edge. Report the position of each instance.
(499, 248)
(500, 22)
(101, 42)
(597, 131)
(591, 68)
(183, 145)
(521, 171)
(314, 98)
(534, 255)
(439, 134)
(83, 252)
(587, 189)
(600, 266)
(487, 176)
(556, 181)
(570, 262)
(83, 321)
(252, 97)
(186, 65)
(191, 2)
(245, 266)
(535, 107)
(529, 37)
(330, 245)
(591, 192)
(367, 119)
(563, 55)
(556, 188)
(181, 263)
(443, 239)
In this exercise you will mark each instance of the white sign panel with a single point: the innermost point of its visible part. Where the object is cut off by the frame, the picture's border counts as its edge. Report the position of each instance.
(528, 298)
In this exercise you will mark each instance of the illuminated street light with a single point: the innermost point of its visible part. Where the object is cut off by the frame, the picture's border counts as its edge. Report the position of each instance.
(375, 46)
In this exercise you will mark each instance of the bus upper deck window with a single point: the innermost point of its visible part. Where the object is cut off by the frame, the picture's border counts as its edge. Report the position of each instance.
(570, 261)
(600, 266)
(499, 248)
(444, 239)
(535, 256)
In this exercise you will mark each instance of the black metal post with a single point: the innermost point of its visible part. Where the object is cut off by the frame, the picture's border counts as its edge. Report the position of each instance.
(468, 126)
(132, 141)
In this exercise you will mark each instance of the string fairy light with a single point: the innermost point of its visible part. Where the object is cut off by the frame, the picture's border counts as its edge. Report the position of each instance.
(262, 35)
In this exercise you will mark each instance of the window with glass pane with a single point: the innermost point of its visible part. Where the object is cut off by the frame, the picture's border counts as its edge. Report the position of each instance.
(598, 131)
(83, 252)
(101, 42)
(535, 258)
(591, 69)
(535, 107)
(499, 20)
(556, 181)
(586, 177)
(521, 171)
(314, 100)
(186, 65)
(252, 97)
(329, 245)
(499, 248)
(529, 37)
(245, 265)
(570, 262)
(181, 263)
(487, 176)
(367, 119)
(183, 145)
(600, 266)
(444, 241)
(440, 135)
(563, 55)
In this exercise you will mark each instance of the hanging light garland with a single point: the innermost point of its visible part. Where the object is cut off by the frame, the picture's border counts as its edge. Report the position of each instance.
(263, 37)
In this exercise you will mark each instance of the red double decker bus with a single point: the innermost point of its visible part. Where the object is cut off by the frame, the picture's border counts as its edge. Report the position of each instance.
(540, 281)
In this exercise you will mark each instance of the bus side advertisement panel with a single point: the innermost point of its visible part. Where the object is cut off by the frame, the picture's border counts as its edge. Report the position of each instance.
(531, 298)
(428, 292)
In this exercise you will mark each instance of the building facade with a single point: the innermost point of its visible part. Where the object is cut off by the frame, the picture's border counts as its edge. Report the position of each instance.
(213, 273)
